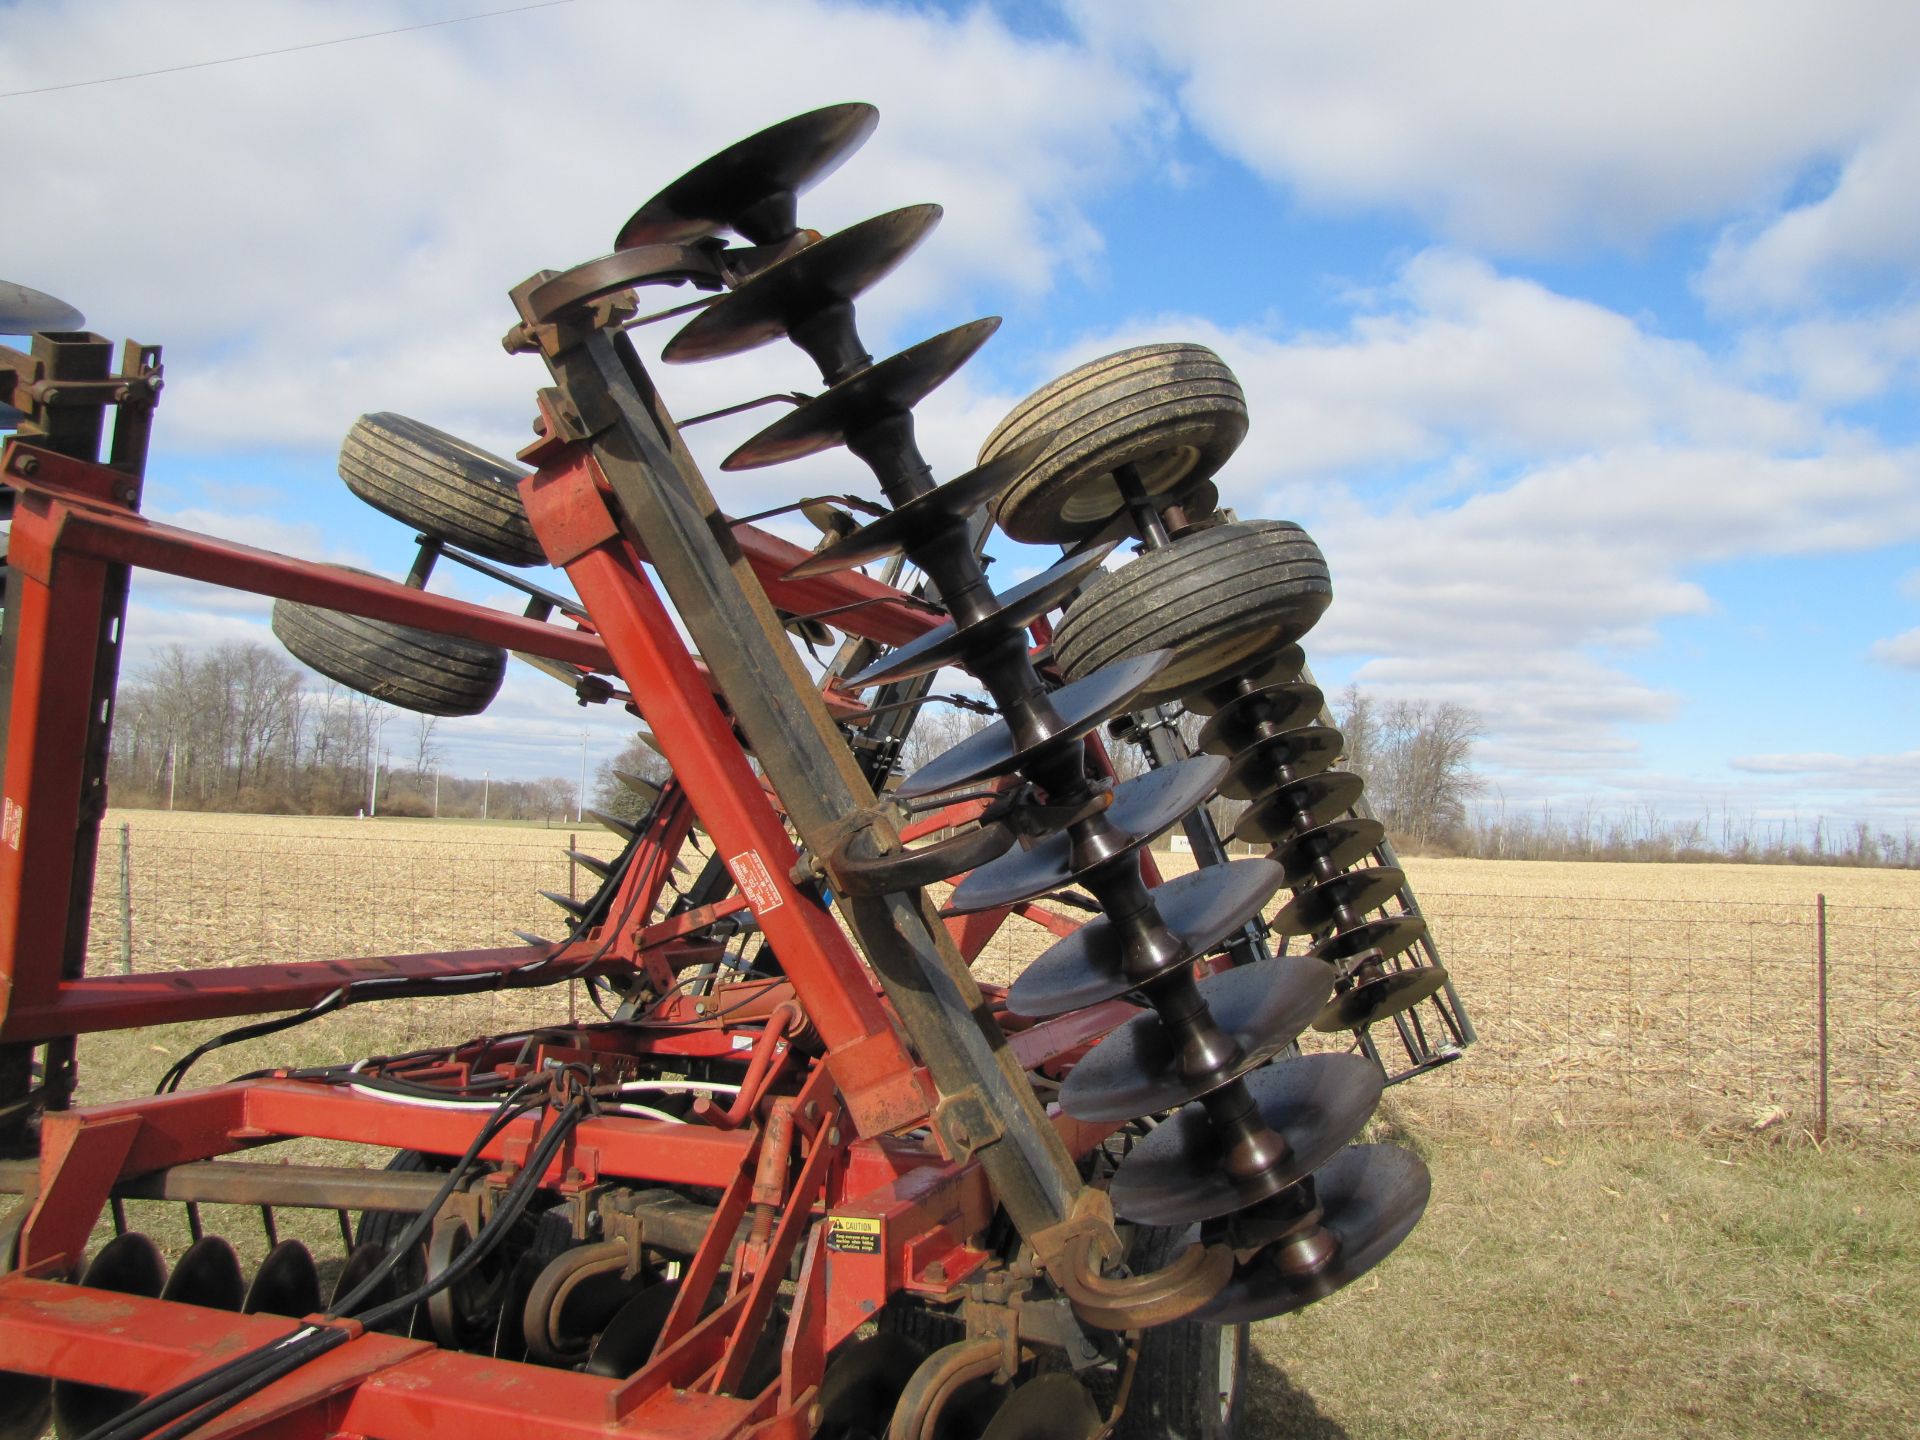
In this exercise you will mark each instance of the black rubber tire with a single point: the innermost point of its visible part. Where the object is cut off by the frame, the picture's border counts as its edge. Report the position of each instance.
(1177, 1388)
(414, 669)
(441, 486)
(1217, 598)
(1173, 411)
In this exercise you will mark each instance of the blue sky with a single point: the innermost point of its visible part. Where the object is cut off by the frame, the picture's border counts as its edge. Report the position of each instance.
(1584, 337)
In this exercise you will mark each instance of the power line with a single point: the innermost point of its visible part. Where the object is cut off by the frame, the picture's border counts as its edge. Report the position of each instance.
(284, 50)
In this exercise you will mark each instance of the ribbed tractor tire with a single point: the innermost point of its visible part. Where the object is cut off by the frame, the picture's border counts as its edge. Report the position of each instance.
(441, 486)
(414, 669)
(1191, 1377)
(1217, 597)
(1173, 411)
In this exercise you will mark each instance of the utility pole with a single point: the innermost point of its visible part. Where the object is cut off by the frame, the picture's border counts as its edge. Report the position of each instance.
(172, 770)
(436, 794)
(580, 795)
(486, 784)
(373, 787)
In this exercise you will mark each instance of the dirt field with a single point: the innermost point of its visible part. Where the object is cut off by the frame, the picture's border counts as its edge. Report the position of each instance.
(1672, 996)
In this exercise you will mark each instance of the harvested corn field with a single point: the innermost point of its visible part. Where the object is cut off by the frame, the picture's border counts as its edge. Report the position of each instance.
(1669, 996)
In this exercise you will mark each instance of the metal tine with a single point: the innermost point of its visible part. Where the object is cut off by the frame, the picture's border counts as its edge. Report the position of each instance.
(576, 908)
(624, 829)
(602, 868)
(648, 790)
(532, 939)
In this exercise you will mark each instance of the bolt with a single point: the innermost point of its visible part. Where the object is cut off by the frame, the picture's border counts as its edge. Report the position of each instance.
(50, 396)
(125, 495)
(26, 465)
(833, 1136)
(937, 1273)
(811, 1110)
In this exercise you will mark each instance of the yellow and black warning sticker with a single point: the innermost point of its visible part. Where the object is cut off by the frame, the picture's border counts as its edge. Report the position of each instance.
(853, 1234)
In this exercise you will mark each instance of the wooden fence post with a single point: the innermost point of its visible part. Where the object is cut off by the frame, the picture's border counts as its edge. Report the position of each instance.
(126, 899)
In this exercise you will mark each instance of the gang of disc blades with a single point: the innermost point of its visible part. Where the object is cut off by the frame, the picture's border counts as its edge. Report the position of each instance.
(1299, 805)
(921, 518)
(208, 1275)
(1136, 1069)
(1379, 998)
(287, 1282)
(892, 386)
(1309, 750)
(1371, 1197)
(951, 643)
(1202, 908)
(1358, 890)
(1390, 935)
(1286, 663)
(791, 291)
(1142, 808)
(750, 186)
(26, 311)
(1339, 843)
(1235, 725)
(1178, 1175)
(1083, 706)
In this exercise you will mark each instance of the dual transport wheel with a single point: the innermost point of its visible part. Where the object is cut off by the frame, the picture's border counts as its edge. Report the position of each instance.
(450, 492)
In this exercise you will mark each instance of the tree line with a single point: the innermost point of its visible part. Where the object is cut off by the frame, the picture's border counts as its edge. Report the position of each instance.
(239, 726)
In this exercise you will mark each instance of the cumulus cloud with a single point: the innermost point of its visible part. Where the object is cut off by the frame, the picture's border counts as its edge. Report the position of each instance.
(1526, 127)
(1902, 651)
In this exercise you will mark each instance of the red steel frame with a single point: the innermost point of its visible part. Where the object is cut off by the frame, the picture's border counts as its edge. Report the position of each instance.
(71, 524)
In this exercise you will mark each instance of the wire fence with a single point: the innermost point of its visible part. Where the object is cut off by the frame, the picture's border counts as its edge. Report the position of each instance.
(1592, 1010)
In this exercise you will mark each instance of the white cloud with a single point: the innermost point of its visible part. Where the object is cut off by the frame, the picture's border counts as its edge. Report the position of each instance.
(1901, 650)
(1523, 126)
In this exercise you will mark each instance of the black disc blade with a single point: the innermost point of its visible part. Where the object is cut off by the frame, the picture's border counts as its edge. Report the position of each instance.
(1338, 843)
(1309, 750)
(1053, 1406)
(1142, 808)
(362, 1261)
(1235, 725)
(1202, 908)
(209, 1275)
(891, 387)
(1357, 891)
(792, 291)
(1389, 935)
(1136, 1070)
(1083, 706)
(1380, 998)
(952, 643)
(1178, 1175)
(1371, 1197)
(26, 311)
(288, 1283)
(129, 1264)
(623, 1347)
(750, 186)
(1299, 805)
(921, 518)
(1272, 668)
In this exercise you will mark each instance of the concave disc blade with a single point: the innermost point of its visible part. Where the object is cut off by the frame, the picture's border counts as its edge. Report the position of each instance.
(1142, 808)
(1357, 890)
(623, 1347)
(796, 289)
(1136, 1069)
(1379, 998)
(208, 1275)
(1202, 908)
(288, 1283)
(25, 311)
(1275, 666)
(1371, 1197)
(1053, 1406)
(1389, 935)
(1299, 805)
(129, 1264)
(361, 1262)
(1082, 706)
(750, 186)
(921, 518)
(1310, 750)
(1339, 842)
(1234, 726)
(949, 643)
(891, 387)
(1178, 1175)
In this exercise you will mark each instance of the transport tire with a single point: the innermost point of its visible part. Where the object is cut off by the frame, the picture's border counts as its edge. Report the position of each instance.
(414, 669)
(1191, 1376)
(441, 486)
(1173, 411)
(1216, 597)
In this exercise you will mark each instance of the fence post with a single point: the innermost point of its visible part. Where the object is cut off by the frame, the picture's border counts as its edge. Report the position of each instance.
(1820, 1015)
(126, 898)
(573, 871)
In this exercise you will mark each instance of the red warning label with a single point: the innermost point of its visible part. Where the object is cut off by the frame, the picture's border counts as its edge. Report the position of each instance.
(750, 873)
